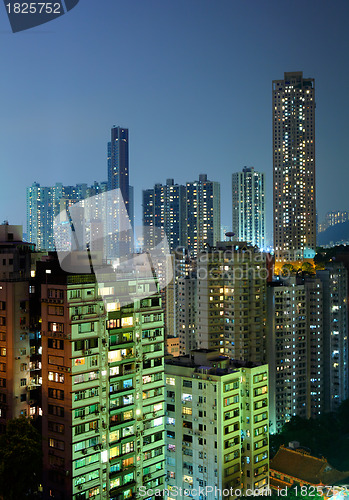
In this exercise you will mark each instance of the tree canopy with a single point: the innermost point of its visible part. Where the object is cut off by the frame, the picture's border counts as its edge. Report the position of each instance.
(20, 460)
(326, 436)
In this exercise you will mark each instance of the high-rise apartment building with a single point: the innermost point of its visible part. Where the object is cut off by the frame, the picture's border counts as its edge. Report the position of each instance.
(187, 313)
(188, 215)
(249, 206)
(19, 374)
(217, 426)
(40, 215)
(180, 265)
(294, 166)
(103, 388)
(335, 316)
(295, 350)
(118, 163)
(203, 214)
(164, 207)
(231, 305)
(45, 203)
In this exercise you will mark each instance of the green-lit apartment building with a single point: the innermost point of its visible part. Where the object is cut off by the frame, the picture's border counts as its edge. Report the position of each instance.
(217, 426)
(103, 389)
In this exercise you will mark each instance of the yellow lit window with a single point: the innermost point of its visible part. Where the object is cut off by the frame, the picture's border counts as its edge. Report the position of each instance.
(79, 361)
(127, 321)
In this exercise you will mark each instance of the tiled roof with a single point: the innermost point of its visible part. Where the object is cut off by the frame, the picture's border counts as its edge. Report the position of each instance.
(300, 465)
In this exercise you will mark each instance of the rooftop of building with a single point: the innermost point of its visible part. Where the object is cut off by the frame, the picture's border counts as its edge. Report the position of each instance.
(232, 246)
(211, 361)
(300, 465)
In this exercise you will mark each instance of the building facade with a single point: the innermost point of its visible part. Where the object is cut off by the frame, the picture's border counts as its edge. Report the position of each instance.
(216, 426)
(249, 206)
(335, 316)
(187, 313)
(164, 207)
(231, 305)
(118, 163)
(45, 203)
(19, 375)
(203, 214)
(295, 352)
(103, 389)
(294, 166)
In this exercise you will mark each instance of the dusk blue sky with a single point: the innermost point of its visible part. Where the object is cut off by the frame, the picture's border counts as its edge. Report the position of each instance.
(191, 79)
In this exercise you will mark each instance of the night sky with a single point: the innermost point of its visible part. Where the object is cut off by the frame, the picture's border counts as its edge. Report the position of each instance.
(192, 81)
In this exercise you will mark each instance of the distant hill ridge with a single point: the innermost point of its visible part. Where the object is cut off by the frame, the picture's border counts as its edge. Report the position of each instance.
(334, 234)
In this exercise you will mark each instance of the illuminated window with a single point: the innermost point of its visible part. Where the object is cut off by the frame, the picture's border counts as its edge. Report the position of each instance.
(113, 306)
(114, 452)
(187, 411)
(79, 361)
(127, 321)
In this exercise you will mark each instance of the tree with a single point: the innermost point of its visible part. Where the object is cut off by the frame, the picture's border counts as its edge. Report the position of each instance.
(288, 269)
(307, 269)
(20, 460)
(326, 436)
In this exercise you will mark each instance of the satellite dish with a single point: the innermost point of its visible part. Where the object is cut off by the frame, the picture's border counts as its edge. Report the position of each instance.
(229, 235)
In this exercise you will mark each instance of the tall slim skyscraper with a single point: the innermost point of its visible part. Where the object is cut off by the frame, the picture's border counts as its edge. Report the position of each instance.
(118, 177)
(164, 208)
(294, 166)
(204, 214)
(248, 206)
